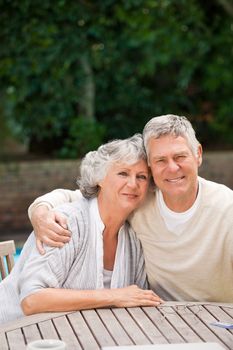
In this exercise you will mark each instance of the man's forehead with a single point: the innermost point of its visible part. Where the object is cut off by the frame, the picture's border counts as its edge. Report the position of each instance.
(168, 142)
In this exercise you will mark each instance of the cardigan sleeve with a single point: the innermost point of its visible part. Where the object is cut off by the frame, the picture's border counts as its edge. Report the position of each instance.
(51, 269)
(140, 277)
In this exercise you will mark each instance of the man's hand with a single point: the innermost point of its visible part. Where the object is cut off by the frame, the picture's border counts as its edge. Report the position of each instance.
(50, 228)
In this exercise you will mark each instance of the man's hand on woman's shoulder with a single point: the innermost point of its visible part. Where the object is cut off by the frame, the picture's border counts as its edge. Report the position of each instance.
(50, 228)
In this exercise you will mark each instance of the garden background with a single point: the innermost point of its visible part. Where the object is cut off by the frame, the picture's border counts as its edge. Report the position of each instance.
(74, 74)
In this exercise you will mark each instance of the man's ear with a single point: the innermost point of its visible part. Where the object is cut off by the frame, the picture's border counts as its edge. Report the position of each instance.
(199, 155)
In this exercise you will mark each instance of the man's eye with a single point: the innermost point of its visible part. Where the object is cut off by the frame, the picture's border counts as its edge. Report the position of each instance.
(181, 157)
(122, 173)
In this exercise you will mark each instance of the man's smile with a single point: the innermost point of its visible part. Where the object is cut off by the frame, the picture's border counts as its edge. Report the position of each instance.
(175, 180)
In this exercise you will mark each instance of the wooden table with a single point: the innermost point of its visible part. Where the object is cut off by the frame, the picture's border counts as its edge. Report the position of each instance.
(93, 329)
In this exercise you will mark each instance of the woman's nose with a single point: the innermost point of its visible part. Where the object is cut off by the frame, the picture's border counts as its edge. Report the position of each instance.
(132, 181)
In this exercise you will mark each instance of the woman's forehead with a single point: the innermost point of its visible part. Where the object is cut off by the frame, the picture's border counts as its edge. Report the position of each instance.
(139, 165)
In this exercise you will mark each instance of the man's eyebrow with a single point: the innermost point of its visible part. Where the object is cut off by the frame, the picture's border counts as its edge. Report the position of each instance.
(181, 152)
(158, 157)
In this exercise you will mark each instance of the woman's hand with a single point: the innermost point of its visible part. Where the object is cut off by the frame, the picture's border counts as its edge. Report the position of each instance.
(133, 296)
(50, 227)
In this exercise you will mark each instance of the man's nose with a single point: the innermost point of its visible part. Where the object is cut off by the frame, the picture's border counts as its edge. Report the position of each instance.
(172, 165)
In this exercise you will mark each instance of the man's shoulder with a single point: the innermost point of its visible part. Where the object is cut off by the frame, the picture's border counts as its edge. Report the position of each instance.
(146, 209)
(210, 187)
(216, 195)
(149, 202)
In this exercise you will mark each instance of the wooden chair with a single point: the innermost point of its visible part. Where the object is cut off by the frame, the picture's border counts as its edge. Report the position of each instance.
(7, 250)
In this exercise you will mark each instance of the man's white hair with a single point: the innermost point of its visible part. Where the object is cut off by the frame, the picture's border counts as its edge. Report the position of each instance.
(170, 124)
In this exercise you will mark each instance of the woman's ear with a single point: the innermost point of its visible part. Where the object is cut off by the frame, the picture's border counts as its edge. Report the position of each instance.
(100, 183)
(199, 155)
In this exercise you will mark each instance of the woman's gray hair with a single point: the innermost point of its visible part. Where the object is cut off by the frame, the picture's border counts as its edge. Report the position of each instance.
(95, 164)
(170, 124)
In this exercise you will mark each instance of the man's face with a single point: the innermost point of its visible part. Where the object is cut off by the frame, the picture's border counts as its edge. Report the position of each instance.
(175, 168)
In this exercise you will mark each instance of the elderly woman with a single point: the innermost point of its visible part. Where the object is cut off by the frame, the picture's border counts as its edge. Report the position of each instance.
(102, 265)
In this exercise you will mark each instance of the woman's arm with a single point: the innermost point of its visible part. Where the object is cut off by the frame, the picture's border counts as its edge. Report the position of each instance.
(55, 300)
(50, 226)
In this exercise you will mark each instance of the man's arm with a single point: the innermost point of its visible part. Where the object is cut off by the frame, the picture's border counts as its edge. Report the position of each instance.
(54, 198)
(50, 226)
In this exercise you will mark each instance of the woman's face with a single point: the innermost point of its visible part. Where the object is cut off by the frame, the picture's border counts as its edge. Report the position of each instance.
(125, 186)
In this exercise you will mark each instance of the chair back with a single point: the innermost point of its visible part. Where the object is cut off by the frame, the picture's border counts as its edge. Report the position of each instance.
(7, 250)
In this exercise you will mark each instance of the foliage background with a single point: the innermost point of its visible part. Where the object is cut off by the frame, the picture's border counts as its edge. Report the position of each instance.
(76, 73)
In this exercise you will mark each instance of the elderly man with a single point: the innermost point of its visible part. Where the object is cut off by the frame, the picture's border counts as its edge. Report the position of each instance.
(185, 225)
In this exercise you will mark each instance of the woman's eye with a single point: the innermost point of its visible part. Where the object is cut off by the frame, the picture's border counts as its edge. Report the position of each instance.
(123, 173)
(142, 177)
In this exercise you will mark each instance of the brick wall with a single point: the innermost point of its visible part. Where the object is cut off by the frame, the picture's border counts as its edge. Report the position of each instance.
(21, 182)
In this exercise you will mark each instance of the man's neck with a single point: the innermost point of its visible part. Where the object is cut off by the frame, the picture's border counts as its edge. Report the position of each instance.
(182, 203)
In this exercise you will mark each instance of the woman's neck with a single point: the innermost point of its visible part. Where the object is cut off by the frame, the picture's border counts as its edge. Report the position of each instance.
(112, 217)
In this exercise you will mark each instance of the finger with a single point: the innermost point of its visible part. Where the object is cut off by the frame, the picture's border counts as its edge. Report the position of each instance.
(57, 237)
(142, 302)
(62, 221)
(39, 246)
(52, 243)
(151, 303)
(156, 296)
(58, 229)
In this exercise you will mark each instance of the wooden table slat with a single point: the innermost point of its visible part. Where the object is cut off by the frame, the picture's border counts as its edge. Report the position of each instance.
(147, 326)
(3, 342)
(65, 332)
(172, 322)
(156, 315)
(114, 327)
(225, 338)
(31, 333)
(192, 319)
(228, 309)
(131, 327)
(82, 331)
(48, 330)
(27, 320)
(219, 313)
(180, 325)
(102, 336)
(16, 340)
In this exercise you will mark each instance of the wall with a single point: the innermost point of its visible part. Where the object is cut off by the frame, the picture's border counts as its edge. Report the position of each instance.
(21, 182)
(218, 166)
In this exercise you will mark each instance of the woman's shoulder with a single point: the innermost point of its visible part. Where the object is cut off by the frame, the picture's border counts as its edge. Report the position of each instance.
(72, 208)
